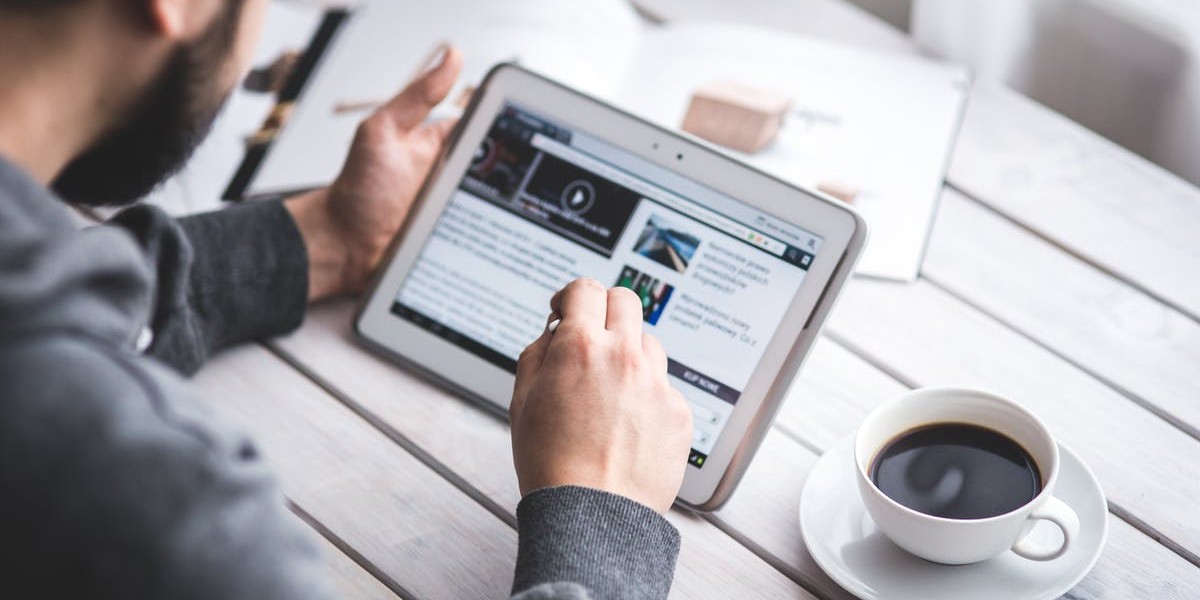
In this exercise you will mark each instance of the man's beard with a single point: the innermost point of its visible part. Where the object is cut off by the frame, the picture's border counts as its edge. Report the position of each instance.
(155, 139)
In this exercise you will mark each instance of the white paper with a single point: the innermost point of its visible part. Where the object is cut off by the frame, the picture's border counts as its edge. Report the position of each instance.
(198, 187)
(883, 124)
(583, 43)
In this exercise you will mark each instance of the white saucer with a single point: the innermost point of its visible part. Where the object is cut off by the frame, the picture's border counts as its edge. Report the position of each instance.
(849, 548)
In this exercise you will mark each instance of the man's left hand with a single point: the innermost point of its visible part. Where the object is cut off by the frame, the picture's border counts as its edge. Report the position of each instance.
(348, 226)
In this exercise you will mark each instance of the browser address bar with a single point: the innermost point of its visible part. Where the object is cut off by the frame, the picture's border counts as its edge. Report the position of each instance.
(677, 203)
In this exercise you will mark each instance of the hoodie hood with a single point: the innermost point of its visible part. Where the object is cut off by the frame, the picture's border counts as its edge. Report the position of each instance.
(94, 282)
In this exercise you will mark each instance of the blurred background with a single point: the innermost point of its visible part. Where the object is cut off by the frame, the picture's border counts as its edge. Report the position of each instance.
(1127, 69)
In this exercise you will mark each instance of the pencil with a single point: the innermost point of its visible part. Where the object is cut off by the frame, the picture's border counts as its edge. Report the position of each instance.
(431, 59)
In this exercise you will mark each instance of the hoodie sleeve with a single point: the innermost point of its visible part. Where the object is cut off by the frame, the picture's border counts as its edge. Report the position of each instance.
(580, 543)
(118, 483)
(221, 278)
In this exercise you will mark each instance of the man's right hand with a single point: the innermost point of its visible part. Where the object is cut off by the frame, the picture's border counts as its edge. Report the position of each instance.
(592, 405)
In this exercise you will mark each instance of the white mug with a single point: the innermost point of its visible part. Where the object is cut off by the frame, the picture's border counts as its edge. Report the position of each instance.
(963, 541)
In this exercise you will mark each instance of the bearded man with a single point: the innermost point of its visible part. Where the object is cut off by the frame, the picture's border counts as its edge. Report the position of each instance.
(114, 480)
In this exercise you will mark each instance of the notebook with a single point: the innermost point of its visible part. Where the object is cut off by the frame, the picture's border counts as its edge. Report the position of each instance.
(881, 123)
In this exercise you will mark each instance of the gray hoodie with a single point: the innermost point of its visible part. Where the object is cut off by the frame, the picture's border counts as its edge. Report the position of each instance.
(116, 483)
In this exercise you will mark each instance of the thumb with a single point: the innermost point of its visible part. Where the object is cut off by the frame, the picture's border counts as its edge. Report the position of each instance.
(528, 366)
(410, 107)
(439, 131)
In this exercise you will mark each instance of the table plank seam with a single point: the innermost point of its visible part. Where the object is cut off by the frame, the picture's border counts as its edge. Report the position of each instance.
(354, 555)
(1136, 398)
(397, 438)
(1076, 254)
(384, 502)
(797, 437)
(1121, 513)
(766, 556)
(651, 18)
(832, 335)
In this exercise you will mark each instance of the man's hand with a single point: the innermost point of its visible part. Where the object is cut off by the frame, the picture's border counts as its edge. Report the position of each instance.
(347, 226)
(592, 405)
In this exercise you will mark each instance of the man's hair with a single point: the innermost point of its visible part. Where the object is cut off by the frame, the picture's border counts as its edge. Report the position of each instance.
(32, 5)
(155, 137)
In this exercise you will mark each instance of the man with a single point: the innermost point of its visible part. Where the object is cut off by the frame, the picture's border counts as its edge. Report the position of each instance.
(114, 481)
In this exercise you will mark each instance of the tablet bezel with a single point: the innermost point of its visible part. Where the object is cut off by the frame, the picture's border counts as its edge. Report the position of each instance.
(842, 229)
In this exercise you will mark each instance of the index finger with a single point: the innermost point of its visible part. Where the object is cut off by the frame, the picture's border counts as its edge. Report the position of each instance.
(583, 303)
(412, 105)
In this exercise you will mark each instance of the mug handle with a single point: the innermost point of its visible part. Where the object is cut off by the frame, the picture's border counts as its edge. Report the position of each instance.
(1056, 511)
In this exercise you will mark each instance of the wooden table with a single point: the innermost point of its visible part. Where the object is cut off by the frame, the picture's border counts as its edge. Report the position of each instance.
(1063, 272)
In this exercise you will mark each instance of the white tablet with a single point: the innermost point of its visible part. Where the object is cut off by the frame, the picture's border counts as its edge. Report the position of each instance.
(541, 185)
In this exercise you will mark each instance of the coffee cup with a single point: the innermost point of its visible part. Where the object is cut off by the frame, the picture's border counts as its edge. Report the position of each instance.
(958, 476)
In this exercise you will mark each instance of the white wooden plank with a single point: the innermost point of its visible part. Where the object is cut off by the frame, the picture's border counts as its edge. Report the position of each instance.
(765, 511)
(825, 405)
(1099, 322)
(1145, 465)
(476, 447)
(835, 391)
(350, 580)
(424, 533)
(1086, 193)
(1134, 566)
(831, 20)
(714, 565)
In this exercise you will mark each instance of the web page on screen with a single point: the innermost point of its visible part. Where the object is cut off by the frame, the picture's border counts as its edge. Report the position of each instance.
(543, 204)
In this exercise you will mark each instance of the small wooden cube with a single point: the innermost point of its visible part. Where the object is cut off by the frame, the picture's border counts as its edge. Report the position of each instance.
(841, 190)
(737, 116)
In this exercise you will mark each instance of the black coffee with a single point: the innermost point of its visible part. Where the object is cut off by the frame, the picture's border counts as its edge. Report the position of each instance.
(956, 471)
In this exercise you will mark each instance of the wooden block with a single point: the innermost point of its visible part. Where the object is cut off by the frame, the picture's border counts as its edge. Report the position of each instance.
(737, 116)
(841, 190)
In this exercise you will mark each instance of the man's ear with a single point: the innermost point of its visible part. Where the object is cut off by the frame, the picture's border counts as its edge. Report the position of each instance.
(178, 19)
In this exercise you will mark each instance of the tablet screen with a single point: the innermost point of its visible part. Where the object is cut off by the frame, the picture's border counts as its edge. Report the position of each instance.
(543, 204)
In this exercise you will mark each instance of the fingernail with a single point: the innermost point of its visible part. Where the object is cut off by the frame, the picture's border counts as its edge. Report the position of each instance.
(437, 58)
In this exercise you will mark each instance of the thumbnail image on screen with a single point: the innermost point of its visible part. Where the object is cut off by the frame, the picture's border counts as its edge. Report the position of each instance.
(653, 293)
(667, 244)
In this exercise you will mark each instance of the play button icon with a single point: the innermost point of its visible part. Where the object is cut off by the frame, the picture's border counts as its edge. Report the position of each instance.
(578, 197)
(484, 153)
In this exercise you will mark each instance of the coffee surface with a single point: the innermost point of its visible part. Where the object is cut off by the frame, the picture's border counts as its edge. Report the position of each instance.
(956, 471)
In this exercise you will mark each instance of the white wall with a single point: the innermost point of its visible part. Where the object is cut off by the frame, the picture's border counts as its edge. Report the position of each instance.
(895, 12)
(1128, 69)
